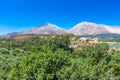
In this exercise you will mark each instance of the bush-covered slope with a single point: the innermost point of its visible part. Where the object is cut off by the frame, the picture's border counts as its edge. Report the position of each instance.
(50, 58)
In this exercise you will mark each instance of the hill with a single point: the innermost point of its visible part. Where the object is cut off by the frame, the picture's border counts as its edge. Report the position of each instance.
(88, 28)
(48, 28)
(83, 29)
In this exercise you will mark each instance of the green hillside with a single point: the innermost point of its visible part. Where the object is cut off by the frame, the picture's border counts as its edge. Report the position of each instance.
(50, 57)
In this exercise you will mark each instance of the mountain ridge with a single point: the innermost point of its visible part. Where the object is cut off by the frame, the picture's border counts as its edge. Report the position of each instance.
(82, 28)
(89, 28)
(48, 28)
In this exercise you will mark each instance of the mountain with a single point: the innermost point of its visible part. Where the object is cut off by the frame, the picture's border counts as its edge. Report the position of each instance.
(48, 28)
(9, 34)
(83, 29)
(88, 28)
(113, 29)
(103, 36)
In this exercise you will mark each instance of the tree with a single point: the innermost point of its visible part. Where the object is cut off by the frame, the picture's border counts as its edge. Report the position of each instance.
(40, 66)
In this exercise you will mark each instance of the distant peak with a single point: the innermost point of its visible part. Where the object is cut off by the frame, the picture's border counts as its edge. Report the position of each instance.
(86, 22)
(51, 25)
(48, 23)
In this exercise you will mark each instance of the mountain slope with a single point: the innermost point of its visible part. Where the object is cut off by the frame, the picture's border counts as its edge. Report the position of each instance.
(45, 29)
(113, 29)
(83, 28)
(88, 28)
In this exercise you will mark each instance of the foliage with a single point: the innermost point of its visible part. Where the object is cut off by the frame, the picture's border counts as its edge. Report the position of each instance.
(46, 57)
(40, 66)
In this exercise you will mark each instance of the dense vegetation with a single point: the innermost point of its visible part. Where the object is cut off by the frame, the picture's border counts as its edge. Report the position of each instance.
(46, 57)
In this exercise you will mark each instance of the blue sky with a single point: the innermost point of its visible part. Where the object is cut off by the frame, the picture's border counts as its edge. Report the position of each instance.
(18, 15)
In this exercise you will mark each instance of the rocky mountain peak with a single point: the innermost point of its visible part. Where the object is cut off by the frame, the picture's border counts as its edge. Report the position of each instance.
(88, 28)
(47, 28)
(82, 28)
(49, 25)
(87, 23)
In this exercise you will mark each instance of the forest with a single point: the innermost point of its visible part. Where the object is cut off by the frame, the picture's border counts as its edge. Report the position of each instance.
(50, 57)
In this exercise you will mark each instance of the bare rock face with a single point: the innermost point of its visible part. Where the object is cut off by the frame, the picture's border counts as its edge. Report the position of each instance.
(113, 29)
(48, 28)
(87, 28)
(83, 28)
